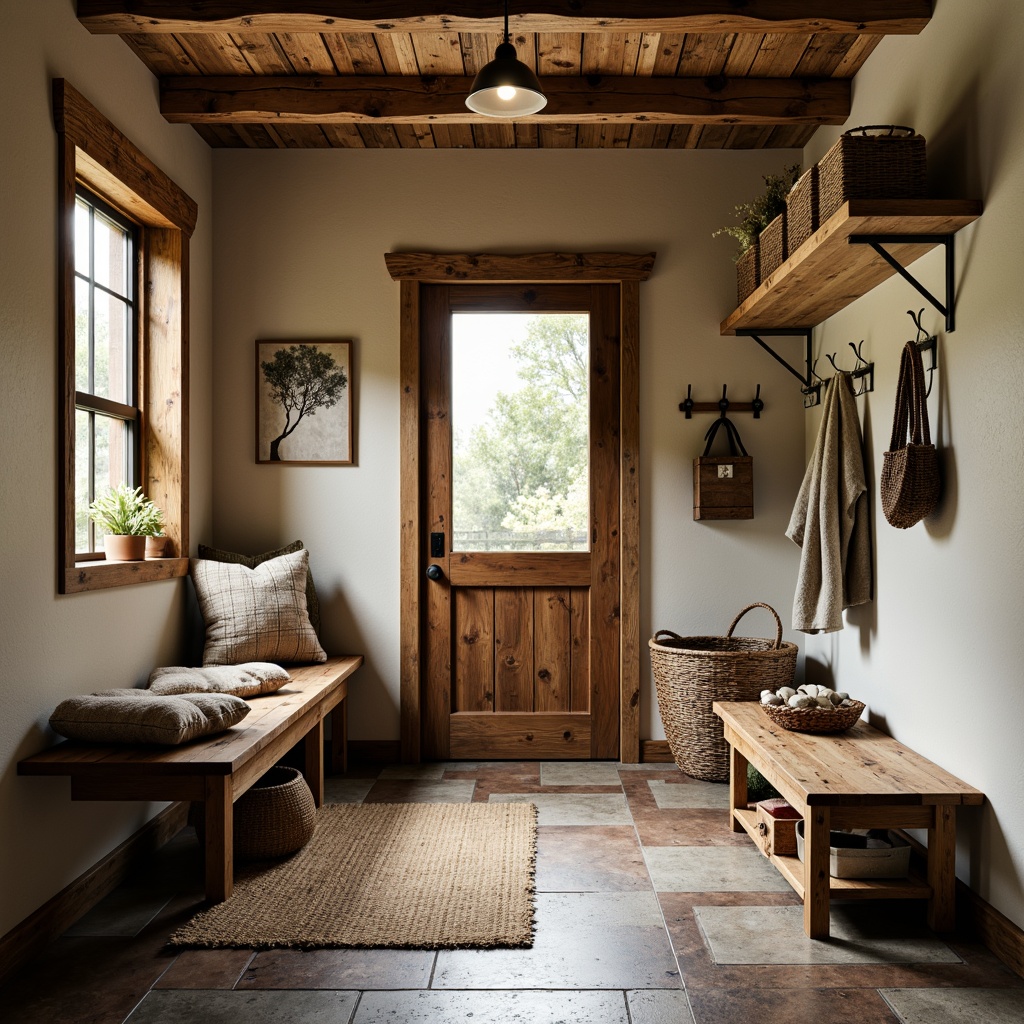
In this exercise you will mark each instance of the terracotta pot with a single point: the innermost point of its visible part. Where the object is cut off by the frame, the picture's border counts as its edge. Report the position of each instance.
(158, 547)
(121, 548)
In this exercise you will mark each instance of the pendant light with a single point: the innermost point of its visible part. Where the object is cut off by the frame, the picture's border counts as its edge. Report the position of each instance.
(506, 87)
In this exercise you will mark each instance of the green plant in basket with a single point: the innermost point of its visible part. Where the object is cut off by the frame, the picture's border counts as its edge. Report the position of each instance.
(123, 511)
(755, 216)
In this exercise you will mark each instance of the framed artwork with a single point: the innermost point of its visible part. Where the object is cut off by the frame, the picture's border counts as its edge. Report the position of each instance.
(304, 402)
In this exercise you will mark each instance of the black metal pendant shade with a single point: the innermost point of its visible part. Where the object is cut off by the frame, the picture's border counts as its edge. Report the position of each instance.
(506, 87)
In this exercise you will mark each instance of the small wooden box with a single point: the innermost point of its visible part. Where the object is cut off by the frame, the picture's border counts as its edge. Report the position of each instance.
(776, 828)
(723, 487)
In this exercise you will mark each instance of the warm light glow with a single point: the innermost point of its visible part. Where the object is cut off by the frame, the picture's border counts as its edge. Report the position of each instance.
(506, 92)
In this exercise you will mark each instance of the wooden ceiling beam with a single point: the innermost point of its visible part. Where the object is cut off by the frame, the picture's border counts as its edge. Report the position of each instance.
(394, 99)
(870, 17)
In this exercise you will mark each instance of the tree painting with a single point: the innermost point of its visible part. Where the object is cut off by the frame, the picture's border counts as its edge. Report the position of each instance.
(301, 380)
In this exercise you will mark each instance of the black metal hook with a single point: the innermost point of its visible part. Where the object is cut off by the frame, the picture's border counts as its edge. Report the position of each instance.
(686, 405)
(689, 406)
(863, 370)
(723, 402)
(757, 404)
(922, 334)
(926, 343)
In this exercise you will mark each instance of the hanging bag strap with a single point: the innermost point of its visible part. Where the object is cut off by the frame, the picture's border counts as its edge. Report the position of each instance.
(911, 409)
(730, 431)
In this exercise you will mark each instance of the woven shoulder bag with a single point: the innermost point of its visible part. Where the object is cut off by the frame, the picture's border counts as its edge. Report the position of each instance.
(910, 468)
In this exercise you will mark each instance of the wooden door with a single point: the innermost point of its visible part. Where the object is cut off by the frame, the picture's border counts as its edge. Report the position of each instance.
(520, 647)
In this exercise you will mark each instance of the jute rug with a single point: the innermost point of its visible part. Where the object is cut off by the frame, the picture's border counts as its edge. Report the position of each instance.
(411, 876)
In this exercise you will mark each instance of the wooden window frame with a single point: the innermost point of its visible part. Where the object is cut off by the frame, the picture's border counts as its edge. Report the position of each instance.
(92, 152)
(413, 269)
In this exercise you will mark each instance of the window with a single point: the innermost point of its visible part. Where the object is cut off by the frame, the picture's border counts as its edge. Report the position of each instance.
(123, 323)
(106, 393)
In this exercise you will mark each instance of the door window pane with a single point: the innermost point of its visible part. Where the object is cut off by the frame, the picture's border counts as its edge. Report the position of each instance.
(520, 431)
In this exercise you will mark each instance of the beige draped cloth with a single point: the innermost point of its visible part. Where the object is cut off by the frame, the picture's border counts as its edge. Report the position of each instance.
(830, 519)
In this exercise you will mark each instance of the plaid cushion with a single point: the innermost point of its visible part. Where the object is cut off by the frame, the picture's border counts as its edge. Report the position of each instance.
(251, 561)
(256, 614)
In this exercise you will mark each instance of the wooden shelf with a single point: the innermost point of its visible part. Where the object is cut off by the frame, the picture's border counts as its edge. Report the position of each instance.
(792, 869)
(827, 273)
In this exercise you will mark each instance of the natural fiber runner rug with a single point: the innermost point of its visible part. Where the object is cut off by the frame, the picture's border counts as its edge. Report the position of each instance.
(412, 876)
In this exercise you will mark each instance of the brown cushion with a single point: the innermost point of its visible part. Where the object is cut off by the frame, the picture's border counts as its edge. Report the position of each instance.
(251, 561)
(256, 614)
(249, 680)
(138, 716)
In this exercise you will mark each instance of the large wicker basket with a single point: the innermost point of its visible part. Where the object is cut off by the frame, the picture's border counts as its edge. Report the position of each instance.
(802, 209)
(873, 162)
(747, 278)
(772, 246)
(692, 672)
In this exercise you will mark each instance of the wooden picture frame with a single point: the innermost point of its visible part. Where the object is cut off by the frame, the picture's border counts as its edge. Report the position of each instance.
(304, 402)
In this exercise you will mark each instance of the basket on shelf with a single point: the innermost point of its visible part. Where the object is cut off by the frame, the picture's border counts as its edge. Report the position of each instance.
(274, 818)
(872, 162)
(747, 278)
(772, 246)
(822, 720)
(692, 672)
(802, 209)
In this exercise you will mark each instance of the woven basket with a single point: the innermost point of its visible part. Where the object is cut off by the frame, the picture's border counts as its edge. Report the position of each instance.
(692, 672)
(273, 818)
(772, 246)
(873, 162)
(814, 719)
(802, 209)
(746, 273)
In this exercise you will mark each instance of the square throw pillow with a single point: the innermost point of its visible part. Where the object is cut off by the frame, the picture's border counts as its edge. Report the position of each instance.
(256, 614)
(251, 561)
(249, 680)
(138, 716)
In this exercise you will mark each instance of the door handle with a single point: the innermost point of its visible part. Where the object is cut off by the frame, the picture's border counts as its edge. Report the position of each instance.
(435, 573)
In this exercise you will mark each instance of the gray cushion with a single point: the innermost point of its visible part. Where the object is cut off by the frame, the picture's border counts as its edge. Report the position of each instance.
(138, 716)
(251, 561)
(256, 614)
(249, 680)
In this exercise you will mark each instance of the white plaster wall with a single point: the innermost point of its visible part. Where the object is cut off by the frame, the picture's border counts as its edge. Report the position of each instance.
(938, 656)
(53, 646)
(300, 239)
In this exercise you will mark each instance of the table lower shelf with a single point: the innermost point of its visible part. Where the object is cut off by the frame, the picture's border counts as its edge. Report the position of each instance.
(792, 869)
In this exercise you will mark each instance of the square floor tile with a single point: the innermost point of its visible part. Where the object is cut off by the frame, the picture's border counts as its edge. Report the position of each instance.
(176, 1007)
(346, 791)
(436, 1007)
(339, 969)
(659, 1006)
(670, 795)
(775, 935)
(421, 791)
(956, 1005)
(206, 968)
(572, 808)
(583, 940)
(790, 1006)
(579, 773)
(712, 869)
(590, 858)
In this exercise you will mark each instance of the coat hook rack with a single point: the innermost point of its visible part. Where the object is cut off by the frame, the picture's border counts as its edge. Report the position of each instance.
(723, 405)
(862, 371)
(926, 343)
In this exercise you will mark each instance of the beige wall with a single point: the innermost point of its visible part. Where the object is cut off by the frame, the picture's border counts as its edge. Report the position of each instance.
(52, 646)
(938, 656)
(300, 239)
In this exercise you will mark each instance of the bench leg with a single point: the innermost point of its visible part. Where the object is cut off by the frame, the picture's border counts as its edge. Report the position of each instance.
(339, 738)
(737, 786)
(816, 872)
(219, 811)
(313, 748)
(942, 869)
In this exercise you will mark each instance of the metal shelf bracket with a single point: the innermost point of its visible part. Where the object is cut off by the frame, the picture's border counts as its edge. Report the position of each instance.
(807, 377)
(877, 242)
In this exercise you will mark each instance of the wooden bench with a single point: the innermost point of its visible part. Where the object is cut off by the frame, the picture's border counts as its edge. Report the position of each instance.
(857, 779)
(218, 770)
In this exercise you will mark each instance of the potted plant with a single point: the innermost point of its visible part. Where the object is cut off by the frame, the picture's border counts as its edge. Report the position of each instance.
(128, 517)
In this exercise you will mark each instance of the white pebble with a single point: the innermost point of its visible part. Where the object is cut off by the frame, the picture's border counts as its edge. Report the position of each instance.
(785, 692)
(800, 700)
(770, 698)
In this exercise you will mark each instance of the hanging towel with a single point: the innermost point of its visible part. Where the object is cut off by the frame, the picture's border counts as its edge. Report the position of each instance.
(830, 519)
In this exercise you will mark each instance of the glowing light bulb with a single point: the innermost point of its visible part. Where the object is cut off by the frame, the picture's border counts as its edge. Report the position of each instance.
(506, 92)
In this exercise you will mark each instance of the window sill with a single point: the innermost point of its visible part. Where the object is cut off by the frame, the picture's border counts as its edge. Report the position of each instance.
(100, 575)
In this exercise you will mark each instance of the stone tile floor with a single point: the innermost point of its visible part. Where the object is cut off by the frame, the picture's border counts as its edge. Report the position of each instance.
(649, 911)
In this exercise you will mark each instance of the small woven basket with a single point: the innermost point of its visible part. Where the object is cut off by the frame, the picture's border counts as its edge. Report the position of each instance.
(837, 719)
(275, 817)
(692, 672)
(772, 246)
(746, 273)
(802, 209)
(872, 162)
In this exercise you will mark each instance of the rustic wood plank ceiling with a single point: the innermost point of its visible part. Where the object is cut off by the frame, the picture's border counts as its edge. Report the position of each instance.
(648, 74)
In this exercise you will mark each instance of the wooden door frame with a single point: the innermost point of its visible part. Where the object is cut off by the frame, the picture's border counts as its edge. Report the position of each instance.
(414, 269)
